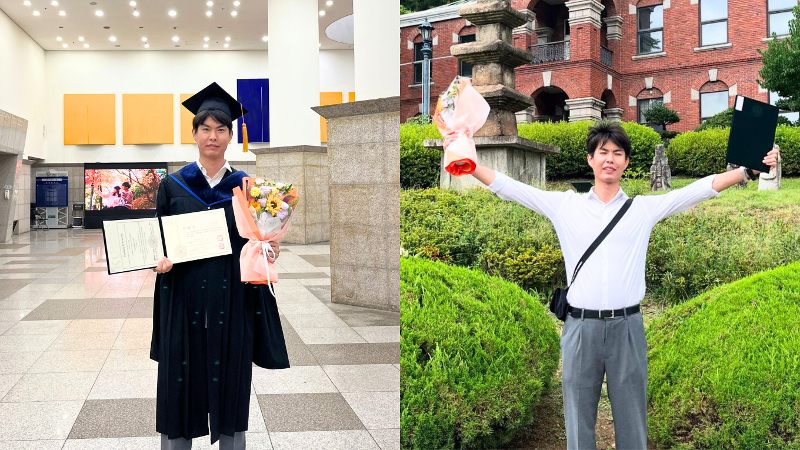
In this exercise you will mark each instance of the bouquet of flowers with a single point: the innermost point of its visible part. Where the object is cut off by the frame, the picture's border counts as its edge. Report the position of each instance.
(263, 210)
(459, 113)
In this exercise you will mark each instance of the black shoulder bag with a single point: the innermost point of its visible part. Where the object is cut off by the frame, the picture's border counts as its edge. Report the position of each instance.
(558, 302)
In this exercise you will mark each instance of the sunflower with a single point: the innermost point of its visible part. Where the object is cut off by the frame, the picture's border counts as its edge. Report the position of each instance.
(274, 203)
(256, 206)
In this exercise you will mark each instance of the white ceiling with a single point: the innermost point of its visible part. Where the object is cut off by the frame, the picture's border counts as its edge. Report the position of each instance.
(190, 24)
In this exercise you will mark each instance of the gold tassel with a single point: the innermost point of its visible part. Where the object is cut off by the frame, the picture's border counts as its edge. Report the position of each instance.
(244, 131)
(244, 138)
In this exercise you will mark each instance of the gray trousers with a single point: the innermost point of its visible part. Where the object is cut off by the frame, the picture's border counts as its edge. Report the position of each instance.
(225, 442)
(617, 348)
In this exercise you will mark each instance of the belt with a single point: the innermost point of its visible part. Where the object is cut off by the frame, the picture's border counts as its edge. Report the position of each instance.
(602, 314)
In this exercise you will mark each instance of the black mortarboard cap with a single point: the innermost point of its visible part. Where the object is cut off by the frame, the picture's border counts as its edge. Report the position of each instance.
(752, 133)
(214, 97)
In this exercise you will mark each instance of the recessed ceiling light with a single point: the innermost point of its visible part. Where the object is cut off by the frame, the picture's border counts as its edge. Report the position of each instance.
(113, 39)
(175, 38)
(54, 3)
(226, 45)
(329, 2)
(85, 45)
(236, 3)
(36, 13)
(98, 13)
(80, 38)
(144, 39)
(205, 38)
(234, 13)
(58, 38)
(322, 13)
(172, 13)
(205, 45)
(208, 13)
(228, 38)
(132, 3)
(64, 45)
(62, 13)
(265, 38)
(209, 3)
(135, 13)
(146, 45)
(26, 3)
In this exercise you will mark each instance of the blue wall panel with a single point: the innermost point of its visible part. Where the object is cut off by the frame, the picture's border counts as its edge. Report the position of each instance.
(253, 94)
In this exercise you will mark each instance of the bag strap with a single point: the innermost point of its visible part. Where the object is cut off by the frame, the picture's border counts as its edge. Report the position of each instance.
(600, 238)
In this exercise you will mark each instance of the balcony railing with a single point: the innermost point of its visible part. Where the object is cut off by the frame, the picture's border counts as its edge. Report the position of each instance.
(606, 56)
(550, 52)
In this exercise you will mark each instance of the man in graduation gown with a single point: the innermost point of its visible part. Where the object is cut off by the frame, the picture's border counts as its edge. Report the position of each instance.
(209, 327)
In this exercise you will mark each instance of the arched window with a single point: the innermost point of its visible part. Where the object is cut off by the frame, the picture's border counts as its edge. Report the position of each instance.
(645, 100)
(713, 99)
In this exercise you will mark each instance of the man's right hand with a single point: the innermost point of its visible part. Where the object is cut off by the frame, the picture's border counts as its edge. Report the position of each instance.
(164, 266)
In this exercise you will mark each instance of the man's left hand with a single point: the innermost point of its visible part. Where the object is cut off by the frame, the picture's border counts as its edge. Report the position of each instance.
(770, 160)
(276, 248)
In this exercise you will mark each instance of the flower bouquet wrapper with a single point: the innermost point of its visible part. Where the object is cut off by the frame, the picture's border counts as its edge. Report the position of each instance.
(460, 112)
(254, 262)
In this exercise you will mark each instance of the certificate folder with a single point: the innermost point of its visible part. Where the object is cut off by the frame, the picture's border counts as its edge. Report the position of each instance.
(137, 244)
(752, 133)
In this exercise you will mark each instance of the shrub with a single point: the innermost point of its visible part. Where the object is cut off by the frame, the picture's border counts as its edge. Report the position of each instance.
(703, 153)
(477, 355)
(571, 138)
(419, 166)
(721, 119)
(723, 367)
(661, 115)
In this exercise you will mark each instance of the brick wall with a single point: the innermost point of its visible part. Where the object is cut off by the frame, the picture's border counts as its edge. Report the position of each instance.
(679, 74)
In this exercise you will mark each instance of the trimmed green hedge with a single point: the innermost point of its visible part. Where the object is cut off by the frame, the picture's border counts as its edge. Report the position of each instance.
(419, 166)
(724, 370)
(572, 136)
(477, 355)
(720, 241)
(700, 153)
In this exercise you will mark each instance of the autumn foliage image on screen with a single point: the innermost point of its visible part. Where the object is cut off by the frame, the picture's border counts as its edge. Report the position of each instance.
(122, 188)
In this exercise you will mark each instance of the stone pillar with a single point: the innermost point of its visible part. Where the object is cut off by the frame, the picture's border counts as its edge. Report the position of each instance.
(587, 108)
(613, 28)
(584, 25)
(293, 61)
(660, 174)
(364, 159)
(613, 114)
(526, 115)
(22, 191)
(13, 131)
(522, 36)
(306, 167)
(376, 48)
(544, 35)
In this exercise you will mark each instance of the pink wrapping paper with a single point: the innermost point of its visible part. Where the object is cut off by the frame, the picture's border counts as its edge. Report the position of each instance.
(255, 267)
(460, 112)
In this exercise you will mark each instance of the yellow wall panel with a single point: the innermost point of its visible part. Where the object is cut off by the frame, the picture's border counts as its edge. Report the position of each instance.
(186, 121)
(102, 119)
(76, 119)
(160, 119)
(351, 97)
(325, 99)
(134, 118)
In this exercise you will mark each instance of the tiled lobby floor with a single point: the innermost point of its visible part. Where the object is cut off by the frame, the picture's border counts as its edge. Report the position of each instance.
(75, 372)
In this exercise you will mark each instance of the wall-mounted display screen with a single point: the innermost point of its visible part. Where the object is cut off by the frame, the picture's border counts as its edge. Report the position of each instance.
(121, 187)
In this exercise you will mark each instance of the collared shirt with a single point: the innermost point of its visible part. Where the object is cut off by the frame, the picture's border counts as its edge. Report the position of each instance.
(213, 181)
(613, 276)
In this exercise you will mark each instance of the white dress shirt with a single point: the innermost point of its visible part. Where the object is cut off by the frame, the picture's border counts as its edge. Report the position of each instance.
(213, 181)
(613, 276)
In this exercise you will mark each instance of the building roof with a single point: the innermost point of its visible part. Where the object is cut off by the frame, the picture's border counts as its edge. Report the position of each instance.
(438, 14)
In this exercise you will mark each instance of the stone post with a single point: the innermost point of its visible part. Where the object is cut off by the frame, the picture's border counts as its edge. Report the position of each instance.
(364, 160)
(660, 174)
(306, 167)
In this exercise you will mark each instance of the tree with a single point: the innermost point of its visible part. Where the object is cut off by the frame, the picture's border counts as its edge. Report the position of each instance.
(404, 10)
(659, 114)
(421, 5)
(781, 71)
(719, 120)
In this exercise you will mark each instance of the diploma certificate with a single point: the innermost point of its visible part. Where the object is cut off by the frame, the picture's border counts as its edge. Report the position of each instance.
(192, 236)
(132, 244)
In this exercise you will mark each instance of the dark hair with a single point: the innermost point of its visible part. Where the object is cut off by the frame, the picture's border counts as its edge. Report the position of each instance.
(215, 114)
(116, 191)
(127, 185)
(604, 131)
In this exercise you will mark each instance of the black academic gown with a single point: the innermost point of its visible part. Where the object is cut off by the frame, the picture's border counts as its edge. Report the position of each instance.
(209, 327)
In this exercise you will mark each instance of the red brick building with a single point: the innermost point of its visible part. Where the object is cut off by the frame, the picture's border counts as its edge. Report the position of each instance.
(609, 58)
